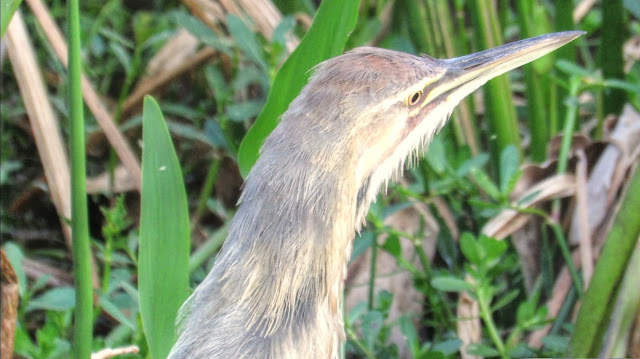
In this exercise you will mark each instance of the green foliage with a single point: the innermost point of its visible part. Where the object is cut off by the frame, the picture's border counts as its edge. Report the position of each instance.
(163, 267)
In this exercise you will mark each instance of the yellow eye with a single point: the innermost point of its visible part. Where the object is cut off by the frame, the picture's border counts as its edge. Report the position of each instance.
(414, 98)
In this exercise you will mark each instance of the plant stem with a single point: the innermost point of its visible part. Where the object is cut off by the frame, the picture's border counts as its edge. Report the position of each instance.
(372, 274)
(484, 300)
(83, 330)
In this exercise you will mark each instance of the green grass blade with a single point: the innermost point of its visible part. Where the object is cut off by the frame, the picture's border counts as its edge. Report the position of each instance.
(326, 38)
(614, 34)
(530, 16)
(563, 22)
(6, 13)
(163, 267)
(500, 112)
(83, 320)
(596, 306)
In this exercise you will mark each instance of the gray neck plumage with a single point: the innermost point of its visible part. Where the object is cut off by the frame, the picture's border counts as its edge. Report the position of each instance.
(277, 283)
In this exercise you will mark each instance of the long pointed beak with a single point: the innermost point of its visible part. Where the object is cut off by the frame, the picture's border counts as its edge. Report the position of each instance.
(466, 73)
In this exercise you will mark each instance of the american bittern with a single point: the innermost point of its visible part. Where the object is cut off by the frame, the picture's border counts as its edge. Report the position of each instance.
(276, 286)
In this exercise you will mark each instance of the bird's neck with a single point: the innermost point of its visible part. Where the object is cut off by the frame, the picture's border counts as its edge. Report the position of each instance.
(284, 261)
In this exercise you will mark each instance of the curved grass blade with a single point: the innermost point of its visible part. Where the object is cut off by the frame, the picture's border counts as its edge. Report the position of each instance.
(163, 267)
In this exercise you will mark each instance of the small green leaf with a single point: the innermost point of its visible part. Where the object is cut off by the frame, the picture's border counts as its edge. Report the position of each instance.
(59, 299)
(469, 247)
(115, 312)
(383, 300)
(448, 347)
(506, 299)
(409, 333)
(371, 325)
(482, 350)
(492, 248)
(474, 162)
(245, 110)
(450, 284)
(556, 343)
(357, 312)
(393, 246)
(200, 30)
(486, 183)
(509, 163)
(571, 68)
(246, 40)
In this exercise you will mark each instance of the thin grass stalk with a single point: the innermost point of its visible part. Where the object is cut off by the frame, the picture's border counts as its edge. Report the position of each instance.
(563, 22)
(567, 135)
(499, 110)
(209, 248)
(569, 124)
(83, 314)
(614, 33)
(421, 35)
(207, 190)
(564, 249)
(372, 272)
(434, 30)
(536, 106)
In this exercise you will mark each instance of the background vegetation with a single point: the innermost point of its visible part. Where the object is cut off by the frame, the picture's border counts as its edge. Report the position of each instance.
(521, 160)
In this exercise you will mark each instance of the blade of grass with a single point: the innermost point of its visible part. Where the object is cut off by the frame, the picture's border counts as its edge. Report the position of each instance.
(596, 306)
(163, 267)
(614, 34)
(536, 105)
(563, 22)
(326, 38)
(500, 113)
(83, 321)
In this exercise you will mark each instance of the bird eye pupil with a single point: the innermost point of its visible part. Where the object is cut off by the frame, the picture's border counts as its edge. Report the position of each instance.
(413, 99)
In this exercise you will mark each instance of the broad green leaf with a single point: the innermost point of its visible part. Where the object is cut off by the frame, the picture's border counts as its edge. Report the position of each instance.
(6, 12)
(163, 276)
(326, 38)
